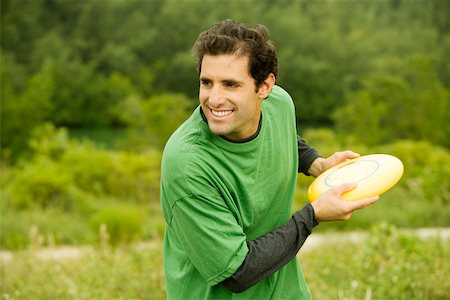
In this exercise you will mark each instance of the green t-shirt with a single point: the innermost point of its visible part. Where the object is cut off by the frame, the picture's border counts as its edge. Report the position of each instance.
(216, 195)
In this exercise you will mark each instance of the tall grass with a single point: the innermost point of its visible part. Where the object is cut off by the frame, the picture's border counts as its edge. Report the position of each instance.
(131, 272)
(389, 265)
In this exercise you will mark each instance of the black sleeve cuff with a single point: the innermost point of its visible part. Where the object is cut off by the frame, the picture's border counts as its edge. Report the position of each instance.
(306, 156)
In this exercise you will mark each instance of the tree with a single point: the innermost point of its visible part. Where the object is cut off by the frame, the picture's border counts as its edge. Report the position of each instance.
(403, 100)
(21, 112)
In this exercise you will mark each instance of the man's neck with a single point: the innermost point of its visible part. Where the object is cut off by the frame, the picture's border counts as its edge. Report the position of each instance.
(253, 136)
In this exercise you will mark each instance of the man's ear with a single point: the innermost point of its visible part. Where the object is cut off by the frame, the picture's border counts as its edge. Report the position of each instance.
(266, 87)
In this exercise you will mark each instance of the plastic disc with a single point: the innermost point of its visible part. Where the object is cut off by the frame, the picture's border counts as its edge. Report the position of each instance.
(374, 174)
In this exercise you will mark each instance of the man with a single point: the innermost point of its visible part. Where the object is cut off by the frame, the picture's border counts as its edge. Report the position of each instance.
(229, 175)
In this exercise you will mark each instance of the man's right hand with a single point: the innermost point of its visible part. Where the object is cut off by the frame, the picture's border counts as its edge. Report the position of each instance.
(330, 206)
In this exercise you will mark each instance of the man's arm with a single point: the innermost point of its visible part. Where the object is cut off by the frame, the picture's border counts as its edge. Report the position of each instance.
(306, 156)
(276, 248)
(272, 251)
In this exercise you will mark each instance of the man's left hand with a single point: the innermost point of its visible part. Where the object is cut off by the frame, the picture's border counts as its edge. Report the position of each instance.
(321, 164)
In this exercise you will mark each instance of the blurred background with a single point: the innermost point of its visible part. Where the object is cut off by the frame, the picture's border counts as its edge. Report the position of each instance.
(91, 91)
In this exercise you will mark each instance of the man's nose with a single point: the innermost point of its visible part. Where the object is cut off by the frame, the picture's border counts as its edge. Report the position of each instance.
(216, 97)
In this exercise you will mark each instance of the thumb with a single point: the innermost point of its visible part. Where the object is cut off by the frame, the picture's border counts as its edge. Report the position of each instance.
(345, 188)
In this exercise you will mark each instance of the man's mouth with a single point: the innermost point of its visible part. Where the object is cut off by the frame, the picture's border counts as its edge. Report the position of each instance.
(220, 113)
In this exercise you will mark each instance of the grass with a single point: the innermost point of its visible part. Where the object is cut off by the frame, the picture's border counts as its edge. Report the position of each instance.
(55, 227)
(387, 266)
(107, 273)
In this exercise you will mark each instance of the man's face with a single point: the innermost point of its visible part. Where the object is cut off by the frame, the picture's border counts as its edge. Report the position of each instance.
(228, 96)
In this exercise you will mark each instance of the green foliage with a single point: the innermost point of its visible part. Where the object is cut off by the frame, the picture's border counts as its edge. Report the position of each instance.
(389, 265)
(77, 179)
(63, 171)
(35, 228)
(427, 170)
(412, 104)
(163, 114)
(47, 141)
(87, 98)
(331, 53)
(153, 120)
(118, 223)
(43, 184)
(390, 253)
(122, 63)
(32, 104)
(102, 273)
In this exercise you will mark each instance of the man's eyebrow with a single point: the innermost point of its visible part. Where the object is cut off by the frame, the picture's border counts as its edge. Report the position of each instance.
(227, 82)
(231, 82)
(204, 79)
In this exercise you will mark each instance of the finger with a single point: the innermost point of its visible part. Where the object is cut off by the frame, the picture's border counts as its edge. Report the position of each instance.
(354, 205)
(345, 188)
(348, 154)
(344, 155)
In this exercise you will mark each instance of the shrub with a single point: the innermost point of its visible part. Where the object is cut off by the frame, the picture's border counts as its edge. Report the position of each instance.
(427, 168)
(153, 120)
(63, 171)
(123, 223)
(403, 99)
(48, 141)
(43, 183)
(90, 167)
(136, 176)
(121, 175)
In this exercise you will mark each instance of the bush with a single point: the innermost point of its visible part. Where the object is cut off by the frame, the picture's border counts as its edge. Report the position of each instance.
(32, 104)
(122, 175)
(43, 183)
(427, 169)
(118, 223)
(153, 120)
(90, 167)
(136, 176)
(67, 181)
(68, 173)
(402, 99)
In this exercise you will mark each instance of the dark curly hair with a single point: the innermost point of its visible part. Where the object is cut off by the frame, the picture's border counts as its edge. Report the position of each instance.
(231, 37)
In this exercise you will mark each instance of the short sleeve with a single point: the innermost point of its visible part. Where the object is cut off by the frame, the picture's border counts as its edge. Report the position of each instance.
(210, 235)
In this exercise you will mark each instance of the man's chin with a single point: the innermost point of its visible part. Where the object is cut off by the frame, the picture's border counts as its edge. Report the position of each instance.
(217, 131)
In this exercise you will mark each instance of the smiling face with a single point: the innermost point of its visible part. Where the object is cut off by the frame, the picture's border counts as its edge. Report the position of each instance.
(228, 96)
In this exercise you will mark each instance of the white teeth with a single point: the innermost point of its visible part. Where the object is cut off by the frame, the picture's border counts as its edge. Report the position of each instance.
(221, 113)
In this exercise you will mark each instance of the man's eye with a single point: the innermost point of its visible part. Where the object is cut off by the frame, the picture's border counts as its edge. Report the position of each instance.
(205, 83)
(232, 84)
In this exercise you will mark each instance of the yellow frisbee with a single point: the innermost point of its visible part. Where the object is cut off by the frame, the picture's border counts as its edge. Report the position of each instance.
(374, 174)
